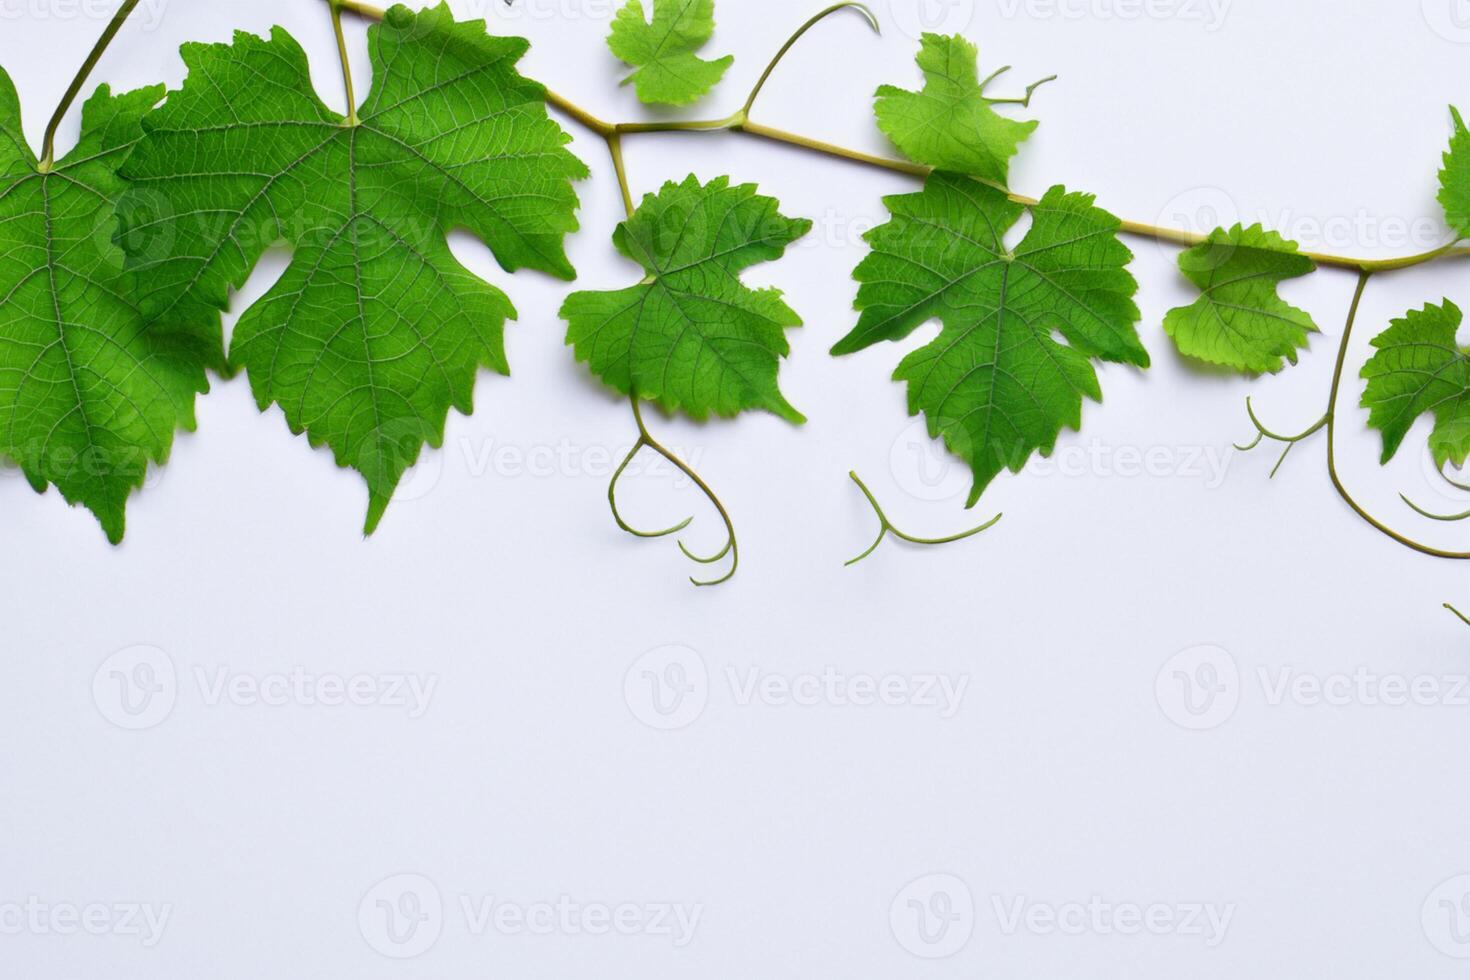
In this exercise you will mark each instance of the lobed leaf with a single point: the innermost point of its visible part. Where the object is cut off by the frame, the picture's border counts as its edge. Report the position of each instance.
(90, 393)
(375, 330)
(668, 71)
(691, 336)
(1420, 369)
(1240, 321)
(949, 124)
(1454, 178)
(998, 383)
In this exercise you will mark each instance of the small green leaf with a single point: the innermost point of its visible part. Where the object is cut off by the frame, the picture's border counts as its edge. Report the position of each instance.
(950, 124)
(1239, 321)
(692, 336)
(998, 384)
(89, 392)
(1454, 178)
(668, 71)
(375, 330)
(1420, 369)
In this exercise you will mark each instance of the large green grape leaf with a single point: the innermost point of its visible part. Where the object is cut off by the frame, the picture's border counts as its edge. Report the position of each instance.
(1454, 178)
(1239, 320)
(668, 71)
(1420, 369)
(89, 392)
(375, 331)
(950, 124)
(691, 336)
(998, 383)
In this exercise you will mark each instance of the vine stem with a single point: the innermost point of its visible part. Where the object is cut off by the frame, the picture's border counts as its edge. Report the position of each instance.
(1463, 618)
(739, 122)
(48, 142)
(886, 526)
(1359, 509)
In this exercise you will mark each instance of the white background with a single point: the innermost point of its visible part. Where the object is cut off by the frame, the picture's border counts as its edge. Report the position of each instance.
(1073, 769)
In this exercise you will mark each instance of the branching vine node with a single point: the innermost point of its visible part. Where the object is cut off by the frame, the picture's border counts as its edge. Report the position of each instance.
(885, 526)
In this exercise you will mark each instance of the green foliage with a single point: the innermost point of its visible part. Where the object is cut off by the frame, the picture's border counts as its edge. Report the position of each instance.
(668, 71)
(375, 331)
(691, 336)
(997, 385)
(950, 124)
(1454, 178)
(1420, 369)
(88, 394)
(1240, 321)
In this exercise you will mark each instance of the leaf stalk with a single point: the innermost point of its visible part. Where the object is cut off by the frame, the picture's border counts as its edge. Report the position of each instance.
(48, 141)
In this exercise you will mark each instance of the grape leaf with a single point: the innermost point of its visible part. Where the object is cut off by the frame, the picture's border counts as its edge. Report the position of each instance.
(89, 392)
(997, 384)
(692, 336)
(668, 71)
(950, 124)
(375, 330)
(1419, 369)
(1239, 321)
(1454, 178)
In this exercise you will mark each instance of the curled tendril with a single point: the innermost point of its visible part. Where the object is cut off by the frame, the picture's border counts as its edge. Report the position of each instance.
(1447, 518)
(1264, 433)
(1452, 481)
(647, 441)
(1462, 617)
(813, 21)
(886, 527)
(1024, 100)
(1329, 421)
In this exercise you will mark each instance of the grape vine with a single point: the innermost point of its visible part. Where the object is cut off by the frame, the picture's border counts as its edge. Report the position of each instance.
(375, 331)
